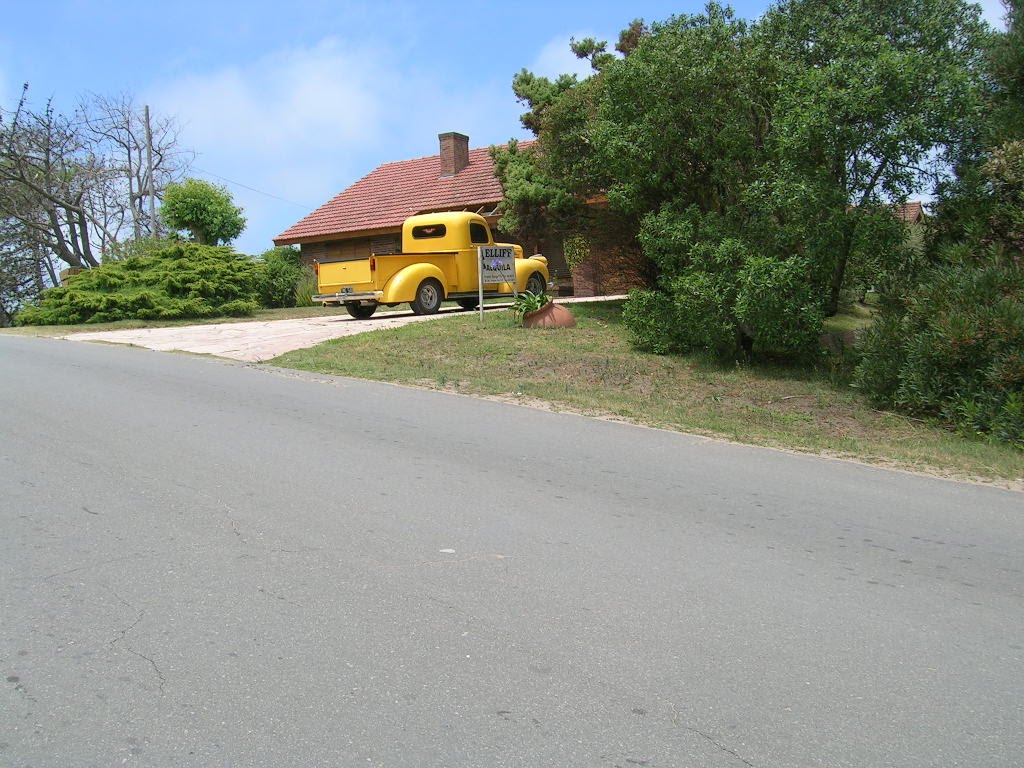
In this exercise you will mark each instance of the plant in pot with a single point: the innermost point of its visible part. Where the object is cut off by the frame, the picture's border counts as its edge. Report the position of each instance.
(537, 310)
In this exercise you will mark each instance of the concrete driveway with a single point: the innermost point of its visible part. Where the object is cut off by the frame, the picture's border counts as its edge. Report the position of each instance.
(257, 341)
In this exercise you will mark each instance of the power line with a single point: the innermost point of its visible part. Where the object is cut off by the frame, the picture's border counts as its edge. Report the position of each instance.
(251, 189)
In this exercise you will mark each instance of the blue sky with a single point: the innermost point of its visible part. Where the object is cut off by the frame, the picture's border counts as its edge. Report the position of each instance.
(299, 99)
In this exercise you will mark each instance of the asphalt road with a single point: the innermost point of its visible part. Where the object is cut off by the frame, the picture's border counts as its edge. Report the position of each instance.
(205, 563)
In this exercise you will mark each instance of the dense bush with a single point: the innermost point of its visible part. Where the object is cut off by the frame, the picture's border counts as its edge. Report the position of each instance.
(647, 314)
(717, 293)
(181, 280)
(279, 277)
(778, 307)
(951, 345)
(953, 348)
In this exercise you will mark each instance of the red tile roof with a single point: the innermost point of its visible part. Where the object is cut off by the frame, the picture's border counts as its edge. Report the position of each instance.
(910, 212)
(394, 191)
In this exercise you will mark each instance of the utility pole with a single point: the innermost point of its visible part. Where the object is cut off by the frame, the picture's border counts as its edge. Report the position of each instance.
(149, 175)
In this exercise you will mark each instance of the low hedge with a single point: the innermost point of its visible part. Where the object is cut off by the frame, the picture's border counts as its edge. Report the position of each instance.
(178, 281)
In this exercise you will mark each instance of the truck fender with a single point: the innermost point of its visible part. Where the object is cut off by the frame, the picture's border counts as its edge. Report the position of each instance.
(403, 284)
(526, 267)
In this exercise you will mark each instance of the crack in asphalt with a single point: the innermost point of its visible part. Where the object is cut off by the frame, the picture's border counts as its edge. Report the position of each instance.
(123, 635)
(124, 632)
(708, 737)
(20, 688)
(159, 673)
(719, 745)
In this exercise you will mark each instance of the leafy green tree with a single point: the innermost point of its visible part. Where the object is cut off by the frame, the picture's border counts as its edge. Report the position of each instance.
(547, 183)
(1006, 59)
(778, 143)
(874, 99)
(950, 342)
(952, 347)
(683, 119)
(205, 210)
(21, 277)
(684, 136)
(961, 225)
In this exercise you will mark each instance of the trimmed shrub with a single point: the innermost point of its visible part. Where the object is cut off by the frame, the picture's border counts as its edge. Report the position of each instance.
(178, 281)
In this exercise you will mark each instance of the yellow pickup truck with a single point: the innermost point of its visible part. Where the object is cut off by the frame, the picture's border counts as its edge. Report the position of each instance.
(438, 262)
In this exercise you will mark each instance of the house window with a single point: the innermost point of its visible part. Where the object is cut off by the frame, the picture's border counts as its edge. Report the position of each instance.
(425, 231)
(478, 233)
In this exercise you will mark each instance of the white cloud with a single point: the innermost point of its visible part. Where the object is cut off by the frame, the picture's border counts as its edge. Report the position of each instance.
(269, 104)
(291, 124)
(303, 124)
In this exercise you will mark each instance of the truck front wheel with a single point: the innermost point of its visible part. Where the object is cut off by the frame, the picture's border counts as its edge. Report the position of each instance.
(535, 283)
(428, 299)
(360, 311)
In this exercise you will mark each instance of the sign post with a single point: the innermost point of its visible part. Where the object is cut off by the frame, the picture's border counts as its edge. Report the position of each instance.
(497, 265)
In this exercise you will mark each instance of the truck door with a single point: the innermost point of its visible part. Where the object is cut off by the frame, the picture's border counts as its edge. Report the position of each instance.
(468, 265)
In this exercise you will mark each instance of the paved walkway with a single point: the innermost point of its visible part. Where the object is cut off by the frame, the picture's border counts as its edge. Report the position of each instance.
(262, 340)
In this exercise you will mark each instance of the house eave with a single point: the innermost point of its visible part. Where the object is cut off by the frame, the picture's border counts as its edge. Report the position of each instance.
(343, 235)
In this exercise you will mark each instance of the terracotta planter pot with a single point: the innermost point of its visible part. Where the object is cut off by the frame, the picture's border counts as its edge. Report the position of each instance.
(551, 315)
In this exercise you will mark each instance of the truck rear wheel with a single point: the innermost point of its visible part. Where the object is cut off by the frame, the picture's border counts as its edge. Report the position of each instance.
(535, 283)
(360, 311)
(468, 303)
(428, 299)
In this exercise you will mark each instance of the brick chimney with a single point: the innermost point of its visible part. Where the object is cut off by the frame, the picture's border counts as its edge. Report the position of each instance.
(454, 153)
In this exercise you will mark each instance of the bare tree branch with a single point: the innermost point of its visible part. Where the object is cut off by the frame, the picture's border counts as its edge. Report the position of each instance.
(77, 187)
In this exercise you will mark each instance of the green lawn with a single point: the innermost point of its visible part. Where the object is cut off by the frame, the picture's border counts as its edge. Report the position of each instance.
(592, 369)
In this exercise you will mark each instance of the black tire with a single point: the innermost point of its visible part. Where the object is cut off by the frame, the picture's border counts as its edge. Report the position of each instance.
(428, 299)
(468, 303)
(360, 311)
(535, 283)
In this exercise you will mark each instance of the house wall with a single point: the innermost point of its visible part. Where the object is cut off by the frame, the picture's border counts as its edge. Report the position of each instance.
(356, 248)
(611, 270)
